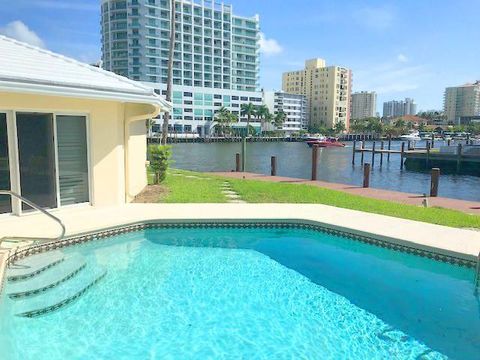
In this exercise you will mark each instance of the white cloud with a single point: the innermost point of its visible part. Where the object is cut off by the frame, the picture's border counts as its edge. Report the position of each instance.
(269, 46)
(19, 31)
(379, 18)
(67, 5)
(390, 78)
(402, 58)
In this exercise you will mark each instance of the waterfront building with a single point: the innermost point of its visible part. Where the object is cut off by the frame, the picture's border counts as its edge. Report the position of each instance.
(462, 101)
(396, 108)
(216, 55)
(294, 106)
(326, 88)
(363, 105)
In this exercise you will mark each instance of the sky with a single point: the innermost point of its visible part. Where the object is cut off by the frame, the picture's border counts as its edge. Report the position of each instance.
(402, 48)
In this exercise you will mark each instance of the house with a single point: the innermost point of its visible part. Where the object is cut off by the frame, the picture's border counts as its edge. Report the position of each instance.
(70, 134)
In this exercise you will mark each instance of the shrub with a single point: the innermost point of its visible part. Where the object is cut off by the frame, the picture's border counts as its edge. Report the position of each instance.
(159, 156)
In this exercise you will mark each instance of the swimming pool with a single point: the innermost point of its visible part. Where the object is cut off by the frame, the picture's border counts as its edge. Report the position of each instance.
(246, 292)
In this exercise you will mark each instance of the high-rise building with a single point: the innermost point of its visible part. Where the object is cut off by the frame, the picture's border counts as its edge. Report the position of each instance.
(327, 89)
(294, 106)
(396, 108)
(216, 55)
(363, 105)
(462, 101)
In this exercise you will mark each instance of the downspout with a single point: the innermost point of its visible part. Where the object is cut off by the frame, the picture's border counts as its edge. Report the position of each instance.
(126, 135)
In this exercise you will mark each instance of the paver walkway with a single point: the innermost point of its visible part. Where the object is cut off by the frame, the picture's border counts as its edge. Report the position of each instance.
(231, 194)
(470, 207)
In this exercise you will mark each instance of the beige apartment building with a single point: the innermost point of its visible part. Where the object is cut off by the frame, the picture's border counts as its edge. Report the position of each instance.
(363, 105)
(462, 101)
(327, 89)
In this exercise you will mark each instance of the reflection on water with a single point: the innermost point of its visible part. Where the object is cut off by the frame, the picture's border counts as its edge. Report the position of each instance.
(335, 165)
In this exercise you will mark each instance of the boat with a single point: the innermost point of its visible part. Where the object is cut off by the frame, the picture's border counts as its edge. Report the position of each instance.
(414, 136)
(328, 142)
(317, 137)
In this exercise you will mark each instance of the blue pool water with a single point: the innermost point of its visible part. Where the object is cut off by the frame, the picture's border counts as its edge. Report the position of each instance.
(253, 294)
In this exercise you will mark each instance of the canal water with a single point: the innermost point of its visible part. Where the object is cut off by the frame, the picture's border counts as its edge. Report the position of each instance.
(335, 165)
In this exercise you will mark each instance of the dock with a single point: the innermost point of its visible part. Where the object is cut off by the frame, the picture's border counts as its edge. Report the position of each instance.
(461, 157)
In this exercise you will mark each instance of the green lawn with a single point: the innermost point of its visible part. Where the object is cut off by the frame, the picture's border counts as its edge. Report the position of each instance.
(190, 187)
(269, 192)
(193, 187)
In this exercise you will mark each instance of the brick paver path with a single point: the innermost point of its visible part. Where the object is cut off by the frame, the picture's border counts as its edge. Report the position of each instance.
(470, 207)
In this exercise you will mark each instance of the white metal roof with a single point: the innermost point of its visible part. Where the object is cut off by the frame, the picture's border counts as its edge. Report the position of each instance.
(28, 69)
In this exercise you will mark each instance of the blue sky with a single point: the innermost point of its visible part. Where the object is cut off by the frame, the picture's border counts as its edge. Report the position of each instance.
(409, 48)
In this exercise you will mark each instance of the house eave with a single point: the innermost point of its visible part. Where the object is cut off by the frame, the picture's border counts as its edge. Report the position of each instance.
(84, 93)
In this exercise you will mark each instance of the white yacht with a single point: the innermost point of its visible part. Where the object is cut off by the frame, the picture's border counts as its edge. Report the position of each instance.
(414, 136)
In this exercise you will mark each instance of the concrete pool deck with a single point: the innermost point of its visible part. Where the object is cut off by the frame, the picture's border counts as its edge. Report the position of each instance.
(459, 243)
(469, 207)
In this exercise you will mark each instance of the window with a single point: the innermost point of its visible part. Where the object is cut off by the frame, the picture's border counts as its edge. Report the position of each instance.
(72, 159)
(187, 94)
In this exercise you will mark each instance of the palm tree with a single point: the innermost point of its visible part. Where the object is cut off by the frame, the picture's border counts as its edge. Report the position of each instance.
(168, 97)
(223, 118)
(339, 127)
(357, 126)
(279, 119)
(262, 113)
(248, 110)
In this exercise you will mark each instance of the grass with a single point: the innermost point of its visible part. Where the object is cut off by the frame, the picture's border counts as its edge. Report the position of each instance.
(193, 187)
(269, 192)
(190, 187)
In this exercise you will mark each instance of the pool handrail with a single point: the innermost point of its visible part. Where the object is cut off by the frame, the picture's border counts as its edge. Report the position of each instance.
(36, 207)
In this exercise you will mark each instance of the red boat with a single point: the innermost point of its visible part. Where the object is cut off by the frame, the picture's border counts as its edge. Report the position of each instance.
(328, 142)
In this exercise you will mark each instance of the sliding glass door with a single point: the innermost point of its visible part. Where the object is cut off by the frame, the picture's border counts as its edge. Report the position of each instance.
(5, 203)
(52, 153)
(36, 156)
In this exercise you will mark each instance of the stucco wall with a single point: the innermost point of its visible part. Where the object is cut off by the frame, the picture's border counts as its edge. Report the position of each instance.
(107, 141)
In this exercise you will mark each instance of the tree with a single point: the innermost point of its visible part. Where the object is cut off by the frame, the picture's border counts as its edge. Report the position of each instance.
(159, 161)
(279, 118)
(262, 113)
(248, 110)
(170, 71)
(373, 125)
(339, 127)
(223, 119)
(357, 126)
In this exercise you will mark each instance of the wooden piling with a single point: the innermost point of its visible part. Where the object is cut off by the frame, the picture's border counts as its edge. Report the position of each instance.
(389, 146)
(363, 148)
(408, 144)
(427, 158)
(273, 166)
(402, 154)
(244, 153)
(448, 142)
(435, 177)
(459, 156)
(433, 140)
(373, 154)
(314, 161)
(366, 175)
(237, 162)
(353, 152)
(381, 153)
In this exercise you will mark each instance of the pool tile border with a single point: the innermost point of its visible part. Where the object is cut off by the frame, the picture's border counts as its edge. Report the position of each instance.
(282, 224)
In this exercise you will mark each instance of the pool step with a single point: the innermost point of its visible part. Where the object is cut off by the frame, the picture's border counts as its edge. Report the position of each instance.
(47, 279)
(33, 265)
(60, 296)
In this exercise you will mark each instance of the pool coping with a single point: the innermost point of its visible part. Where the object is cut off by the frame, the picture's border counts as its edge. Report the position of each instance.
(391, 243)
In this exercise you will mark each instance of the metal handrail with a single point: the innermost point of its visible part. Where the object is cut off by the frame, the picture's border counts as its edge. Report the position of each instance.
(36, 207)
(477, 274)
